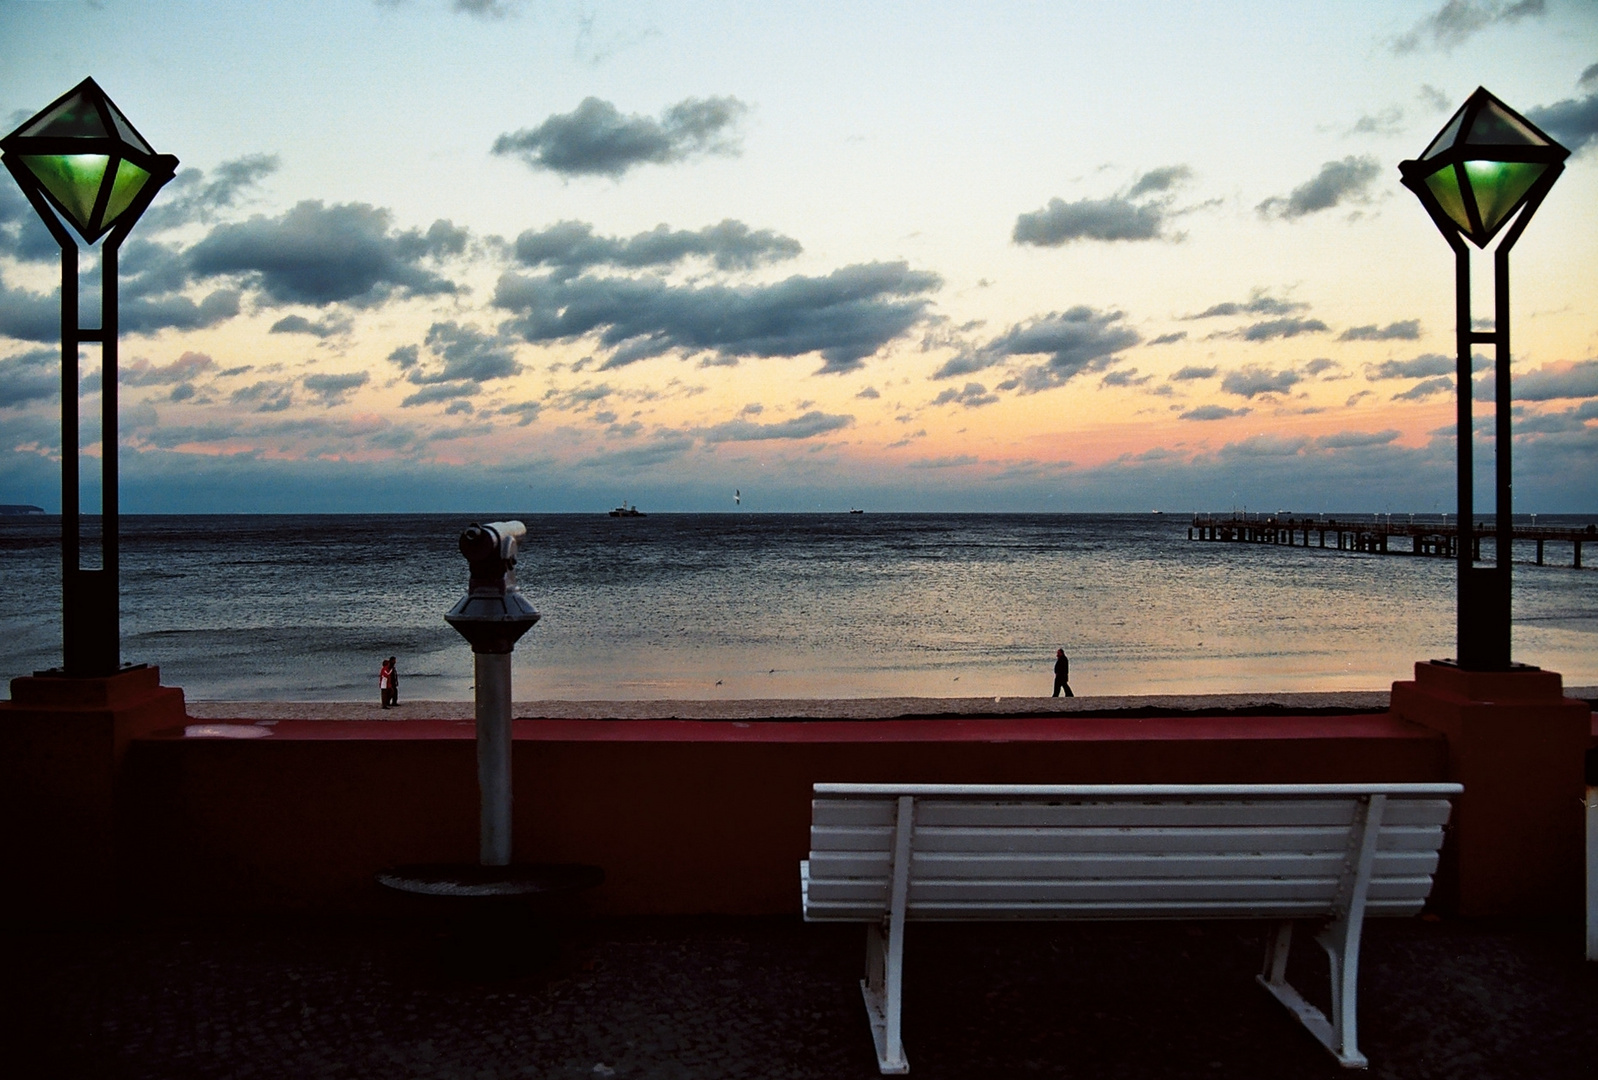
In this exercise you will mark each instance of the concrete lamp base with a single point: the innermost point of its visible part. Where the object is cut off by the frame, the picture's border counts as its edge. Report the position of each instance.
(1517, 744)
(62, 744)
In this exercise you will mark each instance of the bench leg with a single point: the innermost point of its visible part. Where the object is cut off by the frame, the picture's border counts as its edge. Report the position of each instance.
(883, 989)
(1337, 1034)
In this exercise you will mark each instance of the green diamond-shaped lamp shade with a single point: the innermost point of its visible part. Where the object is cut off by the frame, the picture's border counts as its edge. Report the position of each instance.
(1485, 164)
(82, 158)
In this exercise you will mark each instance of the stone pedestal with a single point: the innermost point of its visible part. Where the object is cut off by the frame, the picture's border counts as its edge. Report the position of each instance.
(1516, 743)
(62, 741)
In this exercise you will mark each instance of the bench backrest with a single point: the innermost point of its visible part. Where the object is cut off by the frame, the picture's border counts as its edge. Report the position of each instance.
(1123, 851)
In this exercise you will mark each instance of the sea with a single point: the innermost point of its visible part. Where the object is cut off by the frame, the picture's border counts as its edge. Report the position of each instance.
(749, 606)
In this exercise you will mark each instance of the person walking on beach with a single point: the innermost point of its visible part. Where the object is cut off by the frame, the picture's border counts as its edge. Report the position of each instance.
(385, 683)
(1062, 674)
(393, 681)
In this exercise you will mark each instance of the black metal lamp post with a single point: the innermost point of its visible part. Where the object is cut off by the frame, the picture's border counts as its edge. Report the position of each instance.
(82, 164)
(1489, 167)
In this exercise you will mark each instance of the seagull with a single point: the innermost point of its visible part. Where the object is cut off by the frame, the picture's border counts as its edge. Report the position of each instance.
(737, 497)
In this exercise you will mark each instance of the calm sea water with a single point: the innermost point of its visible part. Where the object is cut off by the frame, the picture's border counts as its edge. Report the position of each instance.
(747, 606)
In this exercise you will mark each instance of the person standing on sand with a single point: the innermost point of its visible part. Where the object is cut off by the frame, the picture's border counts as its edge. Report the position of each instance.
(385, 683)
(1062, 674)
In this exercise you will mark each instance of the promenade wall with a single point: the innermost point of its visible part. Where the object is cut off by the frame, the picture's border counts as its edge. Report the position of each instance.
(683, 816)
(133, 805)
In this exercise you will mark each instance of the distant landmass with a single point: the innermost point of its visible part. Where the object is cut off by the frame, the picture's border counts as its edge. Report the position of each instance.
(8, 509)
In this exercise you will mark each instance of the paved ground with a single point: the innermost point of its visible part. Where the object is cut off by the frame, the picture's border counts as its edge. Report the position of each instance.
(822, 708)
(800, 708)
(775, 998)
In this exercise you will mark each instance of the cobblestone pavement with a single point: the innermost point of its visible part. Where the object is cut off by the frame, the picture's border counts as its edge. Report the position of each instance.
(805, 708)
(775, 998)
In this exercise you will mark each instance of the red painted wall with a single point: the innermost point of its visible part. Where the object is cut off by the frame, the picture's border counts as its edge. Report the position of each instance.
(683, 816)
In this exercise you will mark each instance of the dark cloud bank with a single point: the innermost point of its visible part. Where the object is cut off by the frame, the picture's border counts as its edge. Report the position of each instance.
(1139, 213)
(595, 139)
(845, 316)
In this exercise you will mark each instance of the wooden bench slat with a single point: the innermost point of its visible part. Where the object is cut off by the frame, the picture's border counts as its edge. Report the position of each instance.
(1099, 839)
(876, 865)
(1124, 814)
(1243, 893)
(1119, 912)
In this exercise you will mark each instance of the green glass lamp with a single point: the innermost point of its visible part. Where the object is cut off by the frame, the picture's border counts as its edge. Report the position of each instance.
(1487, 163)
(81, 158)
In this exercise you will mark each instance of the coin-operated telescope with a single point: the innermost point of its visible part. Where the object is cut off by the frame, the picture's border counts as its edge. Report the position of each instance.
(492, 616)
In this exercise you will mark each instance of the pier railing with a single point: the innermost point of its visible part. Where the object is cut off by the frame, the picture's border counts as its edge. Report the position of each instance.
(1435, 538)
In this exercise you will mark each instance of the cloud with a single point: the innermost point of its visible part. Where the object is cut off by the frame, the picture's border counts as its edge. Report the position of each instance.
(31, 376)
(458, 359)
(1408, 330)
(570, 247)
(440, 392)
(1552, 382)
(1169, 339)
(140, 372)
(973, 396)
(595, 139)
(487, 9)
(189, 196)
(808, 426)
(329, 326)
(1427, 364)
(1426, 389)
(1344, 440)
(1253, 380)
(29, 316)
(1572, 122)
(845, 316)
(149, 314)
(265, 396)
(1160, 180)
(1389, 122)
(1115, 218)
(1212, 412)
(1079, 339)
(1338, 182)
(1270, 329)
(331, 390)
(1128, 377)
(319, 255)
(22, 235)
(1258, 303)
(525, 411)
(1191, 372)
(1320, 364)
(1457, 21)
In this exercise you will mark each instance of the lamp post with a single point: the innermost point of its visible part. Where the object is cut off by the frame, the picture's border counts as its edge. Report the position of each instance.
(82, 164)
(1488, 168)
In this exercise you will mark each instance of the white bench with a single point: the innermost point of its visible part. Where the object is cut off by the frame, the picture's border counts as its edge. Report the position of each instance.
(886, 853)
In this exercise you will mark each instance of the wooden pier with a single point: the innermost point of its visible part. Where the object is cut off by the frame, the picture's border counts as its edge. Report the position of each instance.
(1435, 538)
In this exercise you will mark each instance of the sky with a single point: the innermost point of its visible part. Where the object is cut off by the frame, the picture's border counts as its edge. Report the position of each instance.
(470, 255)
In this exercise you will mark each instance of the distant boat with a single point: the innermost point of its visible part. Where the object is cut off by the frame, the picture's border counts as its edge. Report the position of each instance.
(20, 509)
(853, 511)
(627, 511)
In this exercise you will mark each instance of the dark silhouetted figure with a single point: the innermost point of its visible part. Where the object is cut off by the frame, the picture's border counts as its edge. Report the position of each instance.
(1062, 674)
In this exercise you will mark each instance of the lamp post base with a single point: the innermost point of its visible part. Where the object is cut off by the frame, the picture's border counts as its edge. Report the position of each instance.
(62, 743)
(1517, 744)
